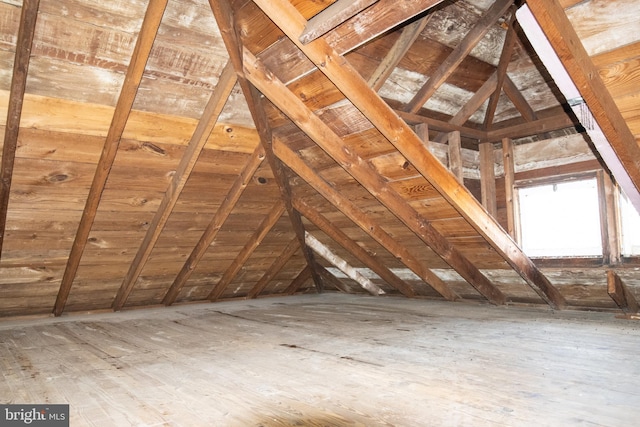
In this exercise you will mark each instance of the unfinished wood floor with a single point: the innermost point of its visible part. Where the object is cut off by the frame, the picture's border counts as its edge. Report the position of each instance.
(328, 360)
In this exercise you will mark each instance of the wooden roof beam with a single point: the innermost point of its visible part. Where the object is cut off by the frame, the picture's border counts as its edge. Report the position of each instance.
(299, 280)
(254, 241)
(214, 226)
(144, 43)
(621, 294)
(360, 218)
(183, 171)
(448, 66)
(536, 127)
(364, 172)
(441, 125)
(356, 250)
(518, 100)
(399, 49)
(28, 18)
(331, 17)
(278, 264)
(350, 83)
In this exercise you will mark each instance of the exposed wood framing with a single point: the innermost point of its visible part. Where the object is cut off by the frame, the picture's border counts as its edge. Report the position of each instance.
(455, 156)
(331, 279)
(488, 178)
(347, 79)
(621, 294)
(536, 127)
(331, 17)
(355, 214)
(501, 72)
(454, 59)
(296, 283)
(362, 171)
(224, 17)
(560, 32)
(254, 241)
(520, 102)
(442, 126)
(509, 187)
(216, 223)
(608, 218)
(275, 267)
(338, 262)
(28, 18)
(346, 242)
(183, 171)
(399, 49)
(150, 25)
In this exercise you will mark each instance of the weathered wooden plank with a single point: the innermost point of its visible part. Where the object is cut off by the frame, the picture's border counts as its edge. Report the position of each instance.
(621, 294)
(275, 267)
(535, 127)
(520, 102)
(455, 155)
(364, 221)
(608, 198)
(350, 83)
(298, 281)
(28, 18)
(509, 188)
(399, 49)
(481, 28)
(215, 225)
(149, 29)
(488, 178)
(187, 163)
(250, 246)
(331, 17)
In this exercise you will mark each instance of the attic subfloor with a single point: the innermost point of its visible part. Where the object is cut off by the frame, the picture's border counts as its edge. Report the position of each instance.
(328, 360)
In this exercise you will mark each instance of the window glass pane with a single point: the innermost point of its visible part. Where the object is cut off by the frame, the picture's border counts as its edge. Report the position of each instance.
(630, 227)
(561, 219)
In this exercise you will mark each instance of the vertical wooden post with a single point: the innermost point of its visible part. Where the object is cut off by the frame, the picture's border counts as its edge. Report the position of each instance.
(509, 172)
(422, 130)
(488, 178)
(608, 218)
(455, 155)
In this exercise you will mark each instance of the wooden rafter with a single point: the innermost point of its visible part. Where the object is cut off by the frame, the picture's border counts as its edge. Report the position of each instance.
(350, 83)
(150, 25)
(224, 17)
(454, 59)
(292, 247)
(341, 264)
(621, 294)
(28, 18)
(399, 49)
(254, 241)
(363, 172)
(560, 33)
(501, 72)
(299, 280)
(216, 223)
(346, 242)
(331, 17)
(516, 97)
(183, 171)
(359, 217)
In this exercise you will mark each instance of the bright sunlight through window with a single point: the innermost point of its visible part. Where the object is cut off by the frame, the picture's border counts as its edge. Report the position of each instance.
(560, 220)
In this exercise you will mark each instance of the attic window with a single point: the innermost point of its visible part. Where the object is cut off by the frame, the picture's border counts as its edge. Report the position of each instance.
(630, 227)
(560, 219)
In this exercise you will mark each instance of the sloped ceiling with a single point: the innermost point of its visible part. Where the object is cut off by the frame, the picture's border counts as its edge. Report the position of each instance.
(167, 152)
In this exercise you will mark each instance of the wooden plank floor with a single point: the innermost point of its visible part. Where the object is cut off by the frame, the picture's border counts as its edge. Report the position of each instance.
(328, 360)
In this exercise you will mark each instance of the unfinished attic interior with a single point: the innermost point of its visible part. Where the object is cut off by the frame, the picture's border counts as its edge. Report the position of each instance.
(367, 162)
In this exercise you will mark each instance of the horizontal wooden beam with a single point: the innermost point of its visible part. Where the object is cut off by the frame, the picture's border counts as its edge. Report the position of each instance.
(536, 127)
(441, 125)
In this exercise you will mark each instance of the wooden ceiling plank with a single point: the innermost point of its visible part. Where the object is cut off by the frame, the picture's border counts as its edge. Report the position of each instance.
(224, 18)
(362, 171)
(621, 294)
(24, 43)
(347, 79)
(399, 49)
(448, 66)
(331, 17)
(250, 246)
(519, 101)
(278, 264)
(325, 252)
(359, 217)
(214, 226)
(560, 33)
(347, 243)
(141, 52)
(188, 161)
(501, 72)
(299, 280)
